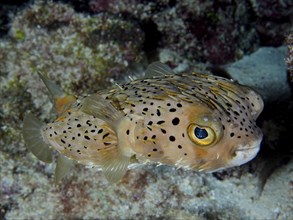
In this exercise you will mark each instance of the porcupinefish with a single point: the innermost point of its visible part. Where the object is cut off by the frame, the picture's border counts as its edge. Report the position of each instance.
(193, 121)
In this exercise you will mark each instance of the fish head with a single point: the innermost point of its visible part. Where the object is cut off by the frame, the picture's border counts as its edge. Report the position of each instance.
(225, 134)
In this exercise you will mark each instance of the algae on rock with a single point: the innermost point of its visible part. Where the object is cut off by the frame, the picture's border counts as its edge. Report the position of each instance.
(81, 53)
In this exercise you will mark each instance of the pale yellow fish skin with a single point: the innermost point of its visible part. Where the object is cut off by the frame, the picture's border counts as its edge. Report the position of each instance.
(158, 113)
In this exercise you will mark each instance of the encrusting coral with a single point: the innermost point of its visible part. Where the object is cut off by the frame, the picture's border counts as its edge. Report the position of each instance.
(81, 52)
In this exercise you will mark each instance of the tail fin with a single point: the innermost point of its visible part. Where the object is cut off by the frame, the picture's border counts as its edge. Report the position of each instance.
(33, 138)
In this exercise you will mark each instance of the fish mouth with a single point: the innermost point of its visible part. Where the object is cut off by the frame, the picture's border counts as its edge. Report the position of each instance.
(243, 155)
(247, 148)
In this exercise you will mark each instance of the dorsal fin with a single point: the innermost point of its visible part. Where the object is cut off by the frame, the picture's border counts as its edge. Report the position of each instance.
(63, 166)
(61, 100)
(158, 69)
(54, 90)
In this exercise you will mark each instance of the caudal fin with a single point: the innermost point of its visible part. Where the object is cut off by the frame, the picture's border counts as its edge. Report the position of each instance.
(34, 141)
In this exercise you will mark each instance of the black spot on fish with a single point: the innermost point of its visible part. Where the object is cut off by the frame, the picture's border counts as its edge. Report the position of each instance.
(229, 104)
(179, 105)
(175, 121)
(105, 135)
(78, 125)
(150, 123)
(127, 132)
(172, 138)
(179, 146)
(158, 112)
(172, 110)
(87, 137)
(160, 122)
(163, 131)
(100, 131)
(63, 141)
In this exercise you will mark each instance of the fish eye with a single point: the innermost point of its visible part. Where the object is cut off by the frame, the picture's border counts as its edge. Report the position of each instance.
(201, 135)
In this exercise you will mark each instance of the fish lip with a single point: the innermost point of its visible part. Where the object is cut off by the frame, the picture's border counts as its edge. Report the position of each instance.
(246, 148)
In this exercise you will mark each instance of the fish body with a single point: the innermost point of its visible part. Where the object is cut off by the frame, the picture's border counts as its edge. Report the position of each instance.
(194, 121)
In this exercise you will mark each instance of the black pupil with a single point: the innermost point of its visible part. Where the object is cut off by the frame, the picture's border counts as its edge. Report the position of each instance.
(200, 133)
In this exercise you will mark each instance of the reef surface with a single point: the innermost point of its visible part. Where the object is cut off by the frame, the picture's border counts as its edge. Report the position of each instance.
(89, 45)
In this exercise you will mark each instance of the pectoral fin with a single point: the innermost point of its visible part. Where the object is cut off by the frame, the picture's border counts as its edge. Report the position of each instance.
(114, 164)
(99, 107)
